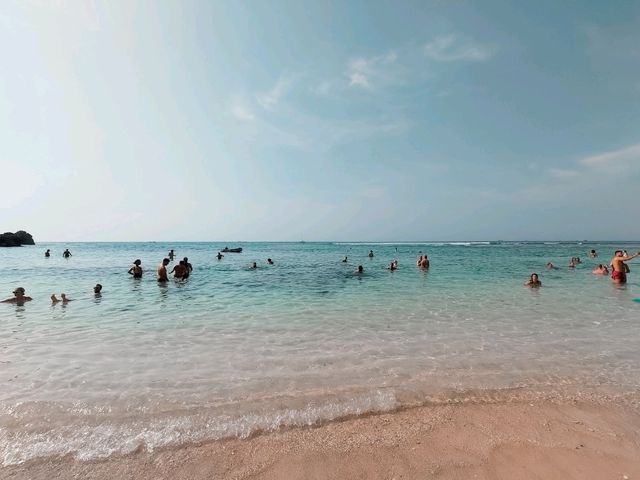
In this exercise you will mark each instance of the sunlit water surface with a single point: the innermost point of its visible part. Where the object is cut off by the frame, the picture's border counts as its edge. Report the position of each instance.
(233, 351)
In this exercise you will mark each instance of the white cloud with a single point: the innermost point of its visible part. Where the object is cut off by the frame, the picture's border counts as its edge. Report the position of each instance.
(450, 48)
(242, 113)
(622, 157)
(368, 72)
(270, 99)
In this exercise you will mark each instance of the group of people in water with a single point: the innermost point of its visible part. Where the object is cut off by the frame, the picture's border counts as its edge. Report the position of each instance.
(182, 270)
(619, 268)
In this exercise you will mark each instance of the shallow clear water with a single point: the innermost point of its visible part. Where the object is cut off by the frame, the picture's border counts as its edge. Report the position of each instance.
(232, 351)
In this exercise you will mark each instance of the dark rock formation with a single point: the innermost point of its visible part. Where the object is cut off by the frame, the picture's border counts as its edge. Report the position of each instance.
(17, 239)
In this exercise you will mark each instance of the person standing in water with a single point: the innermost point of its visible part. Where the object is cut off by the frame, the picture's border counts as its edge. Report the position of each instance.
(19, 297)
(162, 271)
(171, 254)
(370, 253)
(534, 281)
(180, 271)
(188, 265)
(47, 254)
(136, 270)
(66, 253)
(219, 256)
(619, 268)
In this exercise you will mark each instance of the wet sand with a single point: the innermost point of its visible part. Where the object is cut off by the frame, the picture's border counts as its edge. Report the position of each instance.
(541, 440)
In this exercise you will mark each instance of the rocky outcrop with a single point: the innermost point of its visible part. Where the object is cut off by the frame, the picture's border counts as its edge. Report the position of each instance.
(17, 239)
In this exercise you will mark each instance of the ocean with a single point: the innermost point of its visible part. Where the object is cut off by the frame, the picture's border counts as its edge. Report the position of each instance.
(233, 351)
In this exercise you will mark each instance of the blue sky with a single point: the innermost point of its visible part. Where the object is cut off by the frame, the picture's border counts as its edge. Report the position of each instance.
(320, 120)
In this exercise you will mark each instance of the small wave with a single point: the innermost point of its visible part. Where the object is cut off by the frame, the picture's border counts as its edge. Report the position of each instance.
(87, 441)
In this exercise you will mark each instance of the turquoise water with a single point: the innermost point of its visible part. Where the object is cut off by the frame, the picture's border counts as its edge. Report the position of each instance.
(232, 351)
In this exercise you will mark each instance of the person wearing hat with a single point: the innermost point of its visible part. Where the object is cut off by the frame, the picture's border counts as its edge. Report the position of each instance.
(20, 297)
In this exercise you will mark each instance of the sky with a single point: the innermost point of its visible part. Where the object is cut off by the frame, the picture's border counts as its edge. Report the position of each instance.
(320, 120)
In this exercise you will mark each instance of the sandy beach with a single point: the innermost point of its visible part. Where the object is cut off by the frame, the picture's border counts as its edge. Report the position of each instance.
(578, 439)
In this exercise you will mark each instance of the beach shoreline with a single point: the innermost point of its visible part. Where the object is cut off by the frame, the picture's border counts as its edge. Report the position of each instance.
(520, 439)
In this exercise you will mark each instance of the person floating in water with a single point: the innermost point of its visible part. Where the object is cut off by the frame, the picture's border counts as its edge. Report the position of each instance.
(97, 289)
(19, 297)
(171, 254)
(64, 298)
(180, 271)
(54, 299)
(600, 270)
(136, 270)
(551, 266)
(345, 260)
(619, 268)
(47, 254)
(269, 261)
(162, 271)
(593, 254)
(534, 281)
(66, 253)
(370, 253)
(219, 256)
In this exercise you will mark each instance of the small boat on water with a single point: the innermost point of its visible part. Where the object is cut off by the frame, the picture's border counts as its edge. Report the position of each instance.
(232, 250)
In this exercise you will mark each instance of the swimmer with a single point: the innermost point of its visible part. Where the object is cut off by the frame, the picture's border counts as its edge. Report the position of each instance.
(573, 262)
(136, 270)
(359, 270)
(54, 299)
(345, 260)
(393, 265)
(97, 289)
(65, 299)
(19, 297)
(47, 254)
(188, 265)
(171, 255)
(269, 261)
(424, 263)
(618, 270)
(370, 253)
(180, 271)
(162, 270)
(66, 253)
(551, 266)
(534, 281)
(419, 261)
(593, 254)
(600, 270)
(219, 256)
(254, 265)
